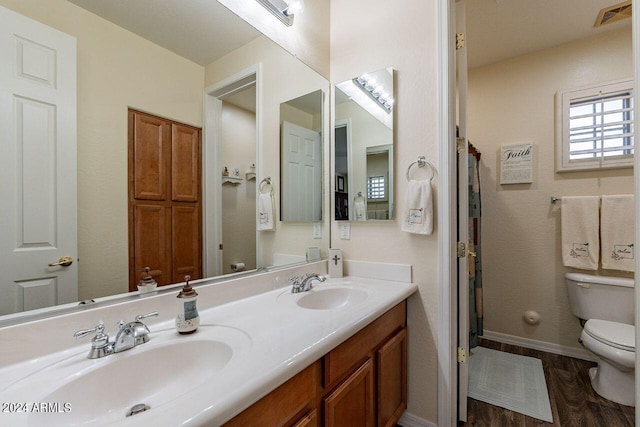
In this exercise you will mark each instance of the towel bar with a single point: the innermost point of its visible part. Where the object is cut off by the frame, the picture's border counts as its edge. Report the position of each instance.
(421, 162)
(267, 181)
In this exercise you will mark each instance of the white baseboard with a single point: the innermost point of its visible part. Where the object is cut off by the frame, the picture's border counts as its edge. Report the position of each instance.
(410, 420)
(563, 350)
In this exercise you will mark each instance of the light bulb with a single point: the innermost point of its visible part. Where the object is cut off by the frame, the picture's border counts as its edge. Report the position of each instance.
(295, 6)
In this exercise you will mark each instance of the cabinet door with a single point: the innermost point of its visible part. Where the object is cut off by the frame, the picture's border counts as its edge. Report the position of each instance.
(392, 379)
(150, 157)
(152, 242)
(309, 420)
(352, 403)
(185, 163)
(185, 242)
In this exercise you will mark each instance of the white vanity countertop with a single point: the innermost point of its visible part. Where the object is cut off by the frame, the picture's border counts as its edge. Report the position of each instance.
(275, 337)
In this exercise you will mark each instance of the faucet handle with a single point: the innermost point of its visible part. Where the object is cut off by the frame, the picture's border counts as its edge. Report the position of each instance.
(98, 330)
(144, 316)
(295, 279)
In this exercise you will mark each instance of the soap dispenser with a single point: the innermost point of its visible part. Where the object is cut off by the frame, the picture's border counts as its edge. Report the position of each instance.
(188, 318)
(147, 284)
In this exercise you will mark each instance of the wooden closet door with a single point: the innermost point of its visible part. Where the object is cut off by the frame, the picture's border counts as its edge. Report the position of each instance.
(165, 219)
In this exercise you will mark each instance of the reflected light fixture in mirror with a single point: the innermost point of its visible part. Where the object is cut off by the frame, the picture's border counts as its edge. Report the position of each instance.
(284, 10)
(375, 91)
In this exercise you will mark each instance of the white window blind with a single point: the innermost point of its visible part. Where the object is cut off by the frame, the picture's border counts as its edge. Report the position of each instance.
(597, 127)
(375, 187)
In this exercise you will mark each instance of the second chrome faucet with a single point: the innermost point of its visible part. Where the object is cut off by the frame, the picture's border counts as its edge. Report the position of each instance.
(303, 284)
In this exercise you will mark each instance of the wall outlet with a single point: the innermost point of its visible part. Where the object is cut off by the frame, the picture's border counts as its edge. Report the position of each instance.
(317, 230)
(345, 230)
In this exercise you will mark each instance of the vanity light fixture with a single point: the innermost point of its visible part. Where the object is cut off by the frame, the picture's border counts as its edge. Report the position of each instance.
(375, 92)
(284, 10)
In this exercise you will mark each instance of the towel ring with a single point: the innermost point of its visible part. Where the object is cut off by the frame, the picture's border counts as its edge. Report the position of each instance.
(266, 181)
(421, 162)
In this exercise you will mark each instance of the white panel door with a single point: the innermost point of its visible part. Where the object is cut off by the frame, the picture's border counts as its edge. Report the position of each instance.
(301, 174)
(37, 164)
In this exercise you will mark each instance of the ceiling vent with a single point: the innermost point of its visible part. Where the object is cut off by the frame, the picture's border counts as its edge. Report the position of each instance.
(614, 13)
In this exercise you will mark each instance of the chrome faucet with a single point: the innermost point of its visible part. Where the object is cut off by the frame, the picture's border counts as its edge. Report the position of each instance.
(304, 284)
(129, 335)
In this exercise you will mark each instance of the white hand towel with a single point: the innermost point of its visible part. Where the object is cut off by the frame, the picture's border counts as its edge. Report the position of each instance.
(580, 226)
(359, 210)
(418, 208)
(266, 212)
(617, 231)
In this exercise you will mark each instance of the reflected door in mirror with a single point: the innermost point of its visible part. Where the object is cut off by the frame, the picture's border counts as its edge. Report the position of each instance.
(164, 199)
(37, 166)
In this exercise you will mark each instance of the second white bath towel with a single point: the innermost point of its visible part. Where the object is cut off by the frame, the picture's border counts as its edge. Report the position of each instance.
(580, 226)
(618, 232)
(418, 208)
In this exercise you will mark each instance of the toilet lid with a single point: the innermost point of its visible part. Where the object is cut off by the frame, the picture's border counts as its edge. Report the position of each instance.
(619, 335)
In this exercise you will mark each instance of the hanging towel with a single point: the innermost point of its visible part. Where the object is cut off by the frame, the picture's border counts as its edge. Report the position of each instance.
(359, 210)
(266, 212)
(418, 208)
(580, 226)
(617, 232)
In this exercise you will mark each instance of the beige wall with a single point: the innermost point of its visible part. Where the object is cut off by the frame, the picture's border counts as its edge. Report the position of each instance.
(308, 38)
(116, 69)
(283, 78)
(238, 150)
(369, 35)
(512, 102)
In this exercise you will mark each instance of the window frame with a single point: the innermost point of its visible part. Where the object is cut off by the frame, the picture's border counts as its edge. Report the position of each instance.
(383, 180)
(564, 98)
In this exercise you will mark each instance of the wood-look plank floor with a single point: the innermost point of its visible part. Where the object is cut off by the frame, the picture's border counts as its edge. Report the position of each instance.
(574, 403)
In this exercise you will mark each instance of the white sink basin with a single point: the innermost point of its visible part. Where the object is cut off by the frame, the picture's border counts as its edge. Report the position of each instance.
(153, 378)
(330, 298)
(103, 391)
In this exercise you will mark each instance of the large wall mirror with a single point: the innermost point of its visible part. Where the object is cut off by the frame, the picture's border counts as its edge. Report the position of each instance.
(158, 63)
(363, 151)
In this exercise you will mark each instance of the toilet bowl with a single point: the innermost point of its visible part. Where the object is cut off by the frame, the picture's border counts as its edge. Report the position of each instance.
(606, 305)
(614, 344)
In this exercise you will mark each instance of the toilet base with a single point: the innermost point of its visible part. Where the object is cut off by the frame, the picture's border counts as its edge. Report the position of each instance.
(614, 384)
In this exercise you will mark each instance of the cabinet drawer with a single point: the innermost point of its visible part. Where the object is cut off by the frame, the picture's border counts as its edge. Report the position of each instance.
(285, 405)
(352, 352)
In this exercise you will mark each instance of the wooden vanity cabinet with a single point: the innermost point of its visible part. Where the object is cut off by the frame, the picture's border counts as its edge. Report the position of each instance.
(360, 383)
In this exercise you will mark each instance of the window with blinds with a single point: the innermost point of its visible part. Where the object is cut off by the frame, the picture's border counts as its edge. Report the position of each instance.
(375, 188)
(597, 127)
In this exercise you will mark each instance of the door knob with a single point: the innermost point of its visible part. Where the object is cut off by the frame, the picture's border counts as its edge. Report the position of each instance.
(65, 261)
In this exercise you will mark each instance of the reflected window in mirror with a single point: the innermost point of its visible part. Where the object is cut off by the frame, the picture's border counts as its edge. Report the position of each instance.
(363, 152)
(301, 158)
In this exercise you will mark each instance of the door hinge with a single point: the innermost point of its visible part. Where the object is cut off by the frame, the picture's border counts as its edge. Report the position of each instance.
(462, 355)
(461, 249)
(459, 41)
(461, 144)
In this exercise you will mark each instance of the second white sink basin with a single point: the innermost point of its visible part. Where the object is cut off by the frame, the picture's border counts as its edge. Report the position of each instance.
(328, 298)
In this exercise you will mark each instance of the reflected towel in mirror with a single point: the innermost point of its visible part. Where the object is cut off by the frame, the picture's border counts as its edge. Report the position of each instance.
(418, 208)
(359, 210)
(266, 212)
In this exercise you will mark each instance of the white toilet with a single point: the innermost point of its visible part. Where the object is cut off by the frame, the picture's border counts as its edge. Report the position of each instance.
(606, 306)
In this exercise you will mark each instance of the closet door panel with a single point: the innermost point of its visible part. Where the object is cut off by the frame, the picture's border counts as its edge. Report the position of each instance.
(186, 242)
(152, 241)
(150, 157)
(185, 163)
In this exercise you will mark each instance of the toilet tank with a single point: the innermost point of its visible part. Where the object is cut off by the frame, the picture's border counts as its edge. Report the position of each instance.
(601, 297)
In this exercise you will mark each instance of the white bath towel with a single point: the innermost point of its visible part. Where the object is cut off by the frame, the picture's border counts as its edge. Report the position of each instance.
(266, 212)
(418, 208)
(617, 232)
(359, 210)
(579, 228)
